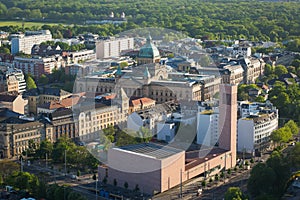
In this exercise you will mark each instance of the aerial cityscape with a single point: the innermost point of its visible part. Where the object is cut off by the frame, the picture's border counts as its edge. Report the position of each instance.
(150, 100)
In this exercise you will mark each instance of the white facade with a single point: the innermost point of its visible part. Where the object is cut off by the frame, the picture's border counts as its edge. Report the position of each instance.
(25, 43)
(165, 131)
(247, 108)
(253, 132)
(113, 47)
(242, 51)
(208, 127)
(19, 77)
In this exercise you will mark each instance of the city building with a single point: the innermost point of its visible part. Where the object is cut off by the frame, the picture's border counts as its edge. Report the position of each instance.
(25, 43)
(166, 131)
(241, 51)
(40, 96)
(148, 53)
(208, 126)
(60, 123)
(113, 47)
(14, 102)
(17, 134)
(137, 104)
(156, 167)
(36, 66)
(254, 130)
(12, 80)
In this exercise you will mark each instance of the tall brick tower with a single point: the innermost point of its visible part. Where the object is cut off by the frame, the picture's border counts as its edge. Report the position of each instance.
(227, 122)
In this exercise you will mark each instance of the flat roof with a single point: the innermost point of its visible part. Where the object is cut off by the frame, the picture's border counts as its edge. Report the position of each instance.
(151, 149)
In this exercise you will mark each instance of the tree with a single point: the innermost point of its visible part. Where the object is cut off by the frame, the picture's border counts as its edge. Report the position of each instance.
(268, 70)
(280, 70)
(260, 99)
(30, 84)
(46, 147)
(43, 79)
(126, 185)
(261, 180)
(203, 183)
(216, 177)
(234, 193)
(292, 126)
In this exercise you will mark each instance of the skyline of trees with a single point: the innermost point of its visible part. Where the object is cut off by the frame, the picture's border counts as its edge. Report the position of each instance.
(255, 20)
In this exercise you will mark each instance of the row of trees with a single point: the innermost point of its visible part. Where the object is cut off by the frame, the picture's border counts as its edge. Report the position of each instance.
(77, 156)
(29, 185)
(255, 20)
(269, 180)
(285, 133)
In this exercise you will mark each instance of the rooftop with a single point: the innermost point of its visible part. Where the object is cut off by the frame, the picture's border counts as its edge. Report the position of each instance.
(151, 149)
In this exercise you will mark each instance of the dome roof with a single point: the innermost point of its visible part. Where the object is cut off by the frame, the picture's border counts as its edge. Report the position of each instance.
(149, 50)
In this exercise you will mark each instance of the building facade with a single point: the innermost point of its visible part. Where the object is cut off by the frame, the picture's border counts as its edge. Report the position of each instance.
(25, 43)
(36, 66)
(16, 135)
(113, 47)
(254, 131)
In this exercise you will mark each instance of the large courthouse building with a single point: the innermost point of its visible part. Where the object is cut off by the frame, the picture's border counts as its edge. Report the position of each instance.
(151, 78)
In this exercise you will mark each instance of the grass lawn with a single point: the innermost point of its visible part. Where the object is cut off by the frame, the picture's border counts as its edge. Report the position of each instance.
(26, 24)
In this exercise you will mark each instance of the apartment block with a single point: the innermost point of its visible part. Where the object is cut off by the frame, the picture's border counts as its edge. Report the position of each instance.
(25, 43)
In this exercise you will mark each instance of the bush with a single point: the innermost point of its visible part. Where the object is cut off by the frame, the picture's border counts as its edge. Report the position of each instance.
(216, 177)
(203, 183)
(137, 188)
(126, 185)
(252, 160)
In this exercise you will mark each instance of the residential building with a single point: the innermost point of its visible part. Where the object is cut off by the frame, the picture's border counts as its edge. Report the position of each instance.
(241, 51)
(112, 47)
(53, 105)
(25, 43)
(79, 56)
(232, 74)
(137, 104)
(254, 130)
(37, 97)
(36, 66)
(12, 80)
(14, 102)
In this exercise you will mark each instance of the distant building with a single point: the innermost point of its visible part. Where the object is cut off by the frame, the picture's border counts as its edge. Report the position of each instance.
(113, 47)
(37, 97)
(14, 102)
(12, 80)
(38, 66)
(241, 52)
(137, 104)
(25, 43)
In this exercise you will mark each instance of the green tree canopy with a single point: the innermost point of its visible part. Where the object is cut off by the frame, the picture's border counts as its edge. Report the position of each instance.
(30, 83)
(234, 193)
(280, 70)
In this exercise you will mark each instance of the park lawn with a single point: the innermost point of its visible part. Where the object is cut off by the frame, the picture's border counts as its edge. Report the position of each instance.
(26, 24)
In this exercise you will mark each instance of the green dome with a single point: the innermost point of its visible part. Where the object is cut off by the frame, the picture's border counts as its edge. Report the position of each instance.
(149, 50)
